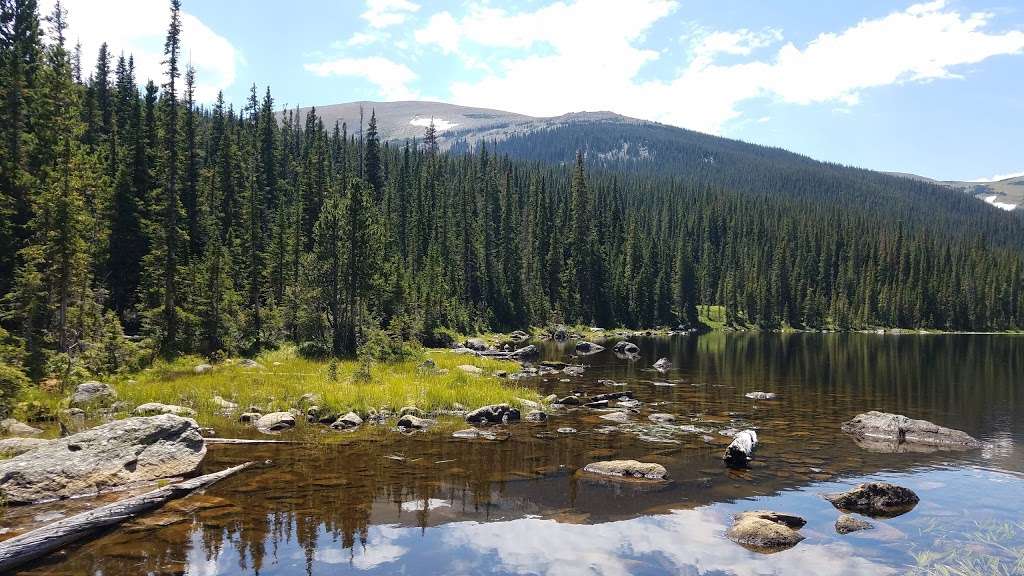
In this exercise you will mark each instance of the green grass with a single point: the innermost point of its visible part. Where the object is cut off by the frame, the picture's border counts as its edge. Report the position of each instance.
(284, 378)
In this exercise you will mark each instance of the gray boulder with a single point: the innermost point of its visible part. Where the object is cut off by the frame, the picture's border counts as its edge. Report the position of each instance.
(620, 417)
(15, 428)
(624, 347)
(588, 348)
(275, 422)
(741, 451)
(663, 365)
(14, 446)
(476, 344)
(627, 469)
(224, 405)
(493, 414)
(350, 420)
(249, 363)
(529, 351)
(202, 368)
(885, 432)
(93, 393)
(411, 422)
(879, 499)
(536, 416)
(764, 531)
(846, 524)
(110, 456)
(470, 369)
(155, 408)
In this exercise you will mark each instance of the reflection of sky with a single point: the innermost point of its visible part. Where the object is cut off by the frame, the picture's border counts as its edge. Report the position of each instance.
(689, 542)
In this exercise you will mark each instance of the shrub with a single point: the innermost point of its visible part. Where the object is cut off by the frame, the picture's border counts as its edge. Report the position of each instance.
(311, 350)
(12, 382)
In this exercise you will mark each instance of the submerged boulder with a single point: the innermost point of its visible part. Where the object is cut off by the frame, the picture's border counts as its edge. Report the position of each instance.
(93, 392)
(275, 422)
(628, 469)
(741, 451)
(493, 414)
(847, 523)
(765, 531)
(110, 456)
(885, 432)
(880, 499)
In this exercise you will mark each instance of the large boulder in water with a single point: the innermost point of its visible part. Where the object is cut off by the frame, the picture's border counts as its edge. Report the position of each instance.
(110, 456)
(493, 414)
(588, 348)
(627, 469)
(624, 347)
(93, 393)
(880, 499)
(528, 351)
(741, 451)
(764, 531)
(663, 365)
(885, 432)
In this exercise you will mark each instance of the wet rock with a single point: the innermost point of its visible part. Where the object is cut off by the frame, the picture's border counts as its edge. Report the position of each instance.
(597, 404)
(573, 370)
(624, 347)
(765, 531)
(475, 344)
(109, 456)
(476, 433)
(760, 395)
(202, 368)
(519, 336)
(847, 524)
(155, 408)
(553, 364)
(620, 417)
(887, 432)
(628, 403)
(413, 422)
(249, 363)
(663, 365)
(14, 446)
(470, 369)
(662, 418)
(588, 348)
(15, 428)
(569, 401)
(623, 395)
(93, 393)
(350, 420)
(275, 422)
(224, 405)
(536, 416)
(530, 351)
(566, 430)
(627, 469)
(249, 417)
(741, 451)
(493, 414)
(880, 499)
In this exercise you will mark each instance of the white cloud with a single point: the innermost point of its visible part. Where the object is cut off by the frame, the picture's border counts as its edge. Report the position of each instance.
(386, 13)
(999, 177)
(362, 39)
(584, 55)
(391, 78)
(139, 29)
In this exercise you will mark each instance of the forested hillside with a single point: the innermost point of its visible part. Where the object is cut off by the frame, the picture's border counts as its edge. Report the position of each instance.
(129, 208)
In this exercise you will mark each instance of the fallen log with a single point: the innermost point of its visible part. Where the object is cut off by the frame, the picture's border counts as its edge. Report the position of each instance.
(46, 539)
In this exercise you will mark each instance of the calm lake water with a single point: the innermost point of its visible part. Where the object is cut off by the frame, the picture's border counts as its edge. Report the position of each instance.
(380, 502)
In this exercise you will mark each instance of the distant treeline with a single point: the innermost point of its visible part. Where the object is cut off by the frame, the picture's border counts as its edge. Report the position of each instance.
(135, 210)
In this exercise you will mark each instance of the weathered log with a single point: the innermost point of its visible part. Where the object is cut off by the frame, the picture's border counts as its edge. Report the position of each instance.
(46, 539)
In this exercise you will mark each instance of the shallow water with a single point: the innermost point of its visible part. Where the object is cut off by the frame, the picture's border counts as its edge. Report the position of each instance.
(380, 502)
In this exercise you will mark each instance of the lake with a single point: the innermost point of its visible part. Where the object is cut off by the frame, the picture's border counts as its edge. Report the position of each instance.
(380, 502)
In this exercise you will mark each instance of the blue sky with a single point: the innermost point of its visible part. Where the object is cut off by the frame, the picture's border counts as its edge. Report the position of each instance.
(935, 88)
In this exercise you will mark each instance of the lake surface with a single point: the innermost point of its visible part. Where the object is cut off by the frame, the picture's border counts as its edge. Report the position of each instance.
(380, 502)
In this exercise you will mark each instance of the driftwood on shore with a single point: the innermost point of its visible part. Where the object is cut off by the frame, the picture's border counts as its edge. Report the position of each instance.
(46, 539)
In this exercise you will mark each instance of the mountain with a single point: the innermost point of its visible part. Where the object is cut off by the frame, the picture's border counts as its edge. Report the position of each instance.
(1006, 194)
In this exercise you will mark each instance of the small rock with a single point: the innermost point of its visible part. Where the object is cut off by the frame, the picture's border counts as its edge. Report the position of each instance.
(623, 395)
(275, 422)
(880, 499)
(765, 531)
(470, 369)
(529, 351)
(202, 368)
(225, 405)
(661, 418)
(536, 416)
(154, 408)
(493, 414)
(249, 363)
(528, 404)
(16, 428)
(760, 395)
(553, 364)
(568, 401)
(350, 420)
(624, 347)
(627, 469)
(566, 430)
(663, 365)
(573, 370)
(847, 524)
(92, 392)
(413, 423)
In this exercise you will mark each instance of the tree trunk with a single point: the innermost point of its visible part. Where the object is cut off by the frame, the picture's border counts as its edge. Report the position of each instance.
(46, 539)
